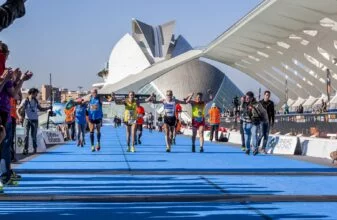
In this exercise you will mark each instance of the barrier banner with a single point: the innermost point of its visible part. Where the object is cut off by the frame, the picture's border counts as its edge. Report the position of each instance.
(283, 145)
(20, 143)
(52, 137)
(318, 147)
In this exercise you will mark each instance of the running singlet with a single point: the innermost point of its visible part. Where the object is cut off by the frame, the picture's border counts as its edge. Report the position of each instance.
(80, 114)
(95, 109)
(130, 114)
(140, 115)
(198, 112)
(169, 108)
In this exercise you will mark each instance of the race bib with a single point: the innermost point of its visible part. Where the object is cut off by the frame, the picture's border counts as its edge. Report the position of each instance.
(199, 119)
(93, 107)
(131, 122)
(130, 115)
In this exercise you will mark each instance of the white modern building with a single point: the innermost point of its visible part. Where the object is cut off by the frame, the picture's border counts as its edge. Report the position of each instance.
(289, 46)
(149, 47)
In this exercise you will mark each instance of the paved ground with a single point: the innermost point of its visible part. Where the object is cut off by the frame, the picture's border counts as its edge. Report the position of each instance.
(71, 182)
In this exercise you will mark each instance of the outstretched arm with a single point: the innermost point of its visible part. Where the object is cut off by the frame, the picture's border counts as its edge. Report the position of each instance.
(117, 101)
(153, 100)
(6, 76)
(189, 98)
(10, 11)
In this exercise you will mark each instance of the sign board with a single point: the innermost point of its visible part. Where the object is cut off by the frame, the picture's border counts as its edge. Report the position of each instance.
(318, 147)
(60, 117)
(52, 137)
(20, 142)
(282, 145)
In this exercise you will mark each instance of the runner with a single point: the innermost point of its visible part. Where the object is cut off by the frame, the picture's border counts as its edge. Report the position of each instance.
(81, 109)
(130, 118)
(178, 125)
(198, 117)
(160, 123)
(150, 121)
(170, 119)
(140, 114)
(95, 116)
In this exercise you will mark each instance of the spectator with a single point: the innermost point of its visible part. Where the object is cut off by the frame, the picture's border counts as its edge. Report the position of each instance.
(14, 116)
(286, 109)
(254, 115)
(214, 120)
(11, 10)
(243, 108)
(28, 109)
(324, 107)
(69, 112)
(10, 89)
(266, 125)
(300, 109)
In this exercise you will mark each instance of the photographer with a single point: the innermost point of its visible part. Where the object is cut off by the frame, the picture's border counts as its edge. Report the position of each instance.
(11, 10)
(27, 113)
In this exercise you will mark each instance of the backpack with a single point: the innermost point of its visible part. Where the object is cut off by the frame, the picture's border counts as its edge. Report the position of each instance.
(22, 109)
(256, 115)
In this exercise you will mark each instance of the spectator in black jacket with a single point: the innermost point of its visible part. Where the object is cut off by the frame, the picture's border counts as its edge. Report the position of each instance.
(11, 10)
(265, 126)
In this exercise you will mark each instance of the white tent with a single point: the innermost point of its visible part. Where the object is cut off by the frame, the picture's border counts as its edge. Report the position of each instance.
(319, 100)
(333, 103)
(307, 105)
(298, 102)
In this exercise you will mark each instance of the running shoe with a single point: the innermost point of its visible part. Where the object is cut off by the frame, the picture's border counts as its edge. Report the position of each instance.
(92, 148)
(128, 149)
(98, 147)
(193, 148)
(133, 149)
(168, 150)
(139, 142)
(201, 149)
(82, 144)
(243, 148)
(247, 152)
(15, 176)
(8, 181)
(256, 151)
(263, 151)
(25, 152)
(78, 143)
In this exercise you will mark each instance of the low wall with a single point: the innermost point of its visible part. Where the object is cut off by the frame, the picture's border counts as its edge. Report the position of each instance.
(287, 145)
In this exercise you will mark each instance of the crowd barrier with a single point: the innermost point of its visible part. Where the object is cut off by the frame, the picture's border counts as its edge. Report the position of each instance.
(286, 145)
(44, 138)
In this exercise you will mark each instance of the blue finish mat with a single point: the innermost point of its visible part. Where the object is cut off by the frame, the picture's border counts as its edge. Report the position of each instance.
(151, 156)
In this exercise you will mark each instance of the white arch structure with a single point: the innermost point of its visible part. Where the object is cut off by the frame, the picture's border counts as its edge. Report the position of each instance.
(278, 40)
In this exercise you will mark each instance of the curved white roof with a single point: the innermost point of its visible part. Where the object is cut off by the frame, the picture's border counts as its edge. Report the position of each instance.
(278, 40)
(283, 38)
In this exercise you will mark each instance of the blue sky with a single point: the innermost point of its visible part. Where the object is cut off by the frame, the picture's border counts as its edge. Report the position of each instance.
(73, 38)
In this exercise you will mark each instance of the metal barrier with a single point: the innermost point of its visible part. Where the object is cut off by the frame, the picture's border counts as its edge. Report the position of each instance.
(318, 125)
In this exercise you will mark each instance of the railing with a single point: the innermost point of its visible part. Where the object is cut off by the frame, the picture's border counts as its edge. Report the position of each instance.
(318, 125)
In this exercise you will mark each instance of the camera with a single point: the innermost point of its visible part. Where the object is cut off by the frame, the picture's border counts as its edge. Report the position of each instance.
(236, 101)
(52, 114)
